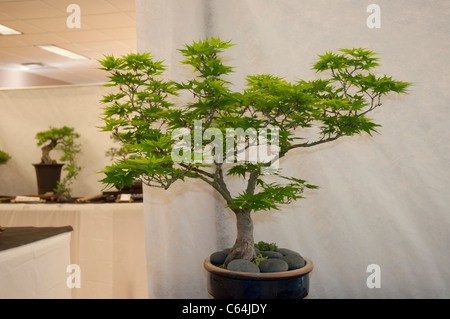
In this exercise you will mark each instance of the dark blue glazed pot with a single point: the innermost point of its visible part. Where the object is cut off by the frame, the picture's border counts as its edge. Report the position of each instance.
(226, 284)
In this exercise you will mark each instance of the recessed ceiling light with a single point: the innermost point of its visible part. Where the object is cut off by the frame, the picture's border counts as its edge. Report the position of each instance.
(57, 50)
(4, 30)
(36, 65)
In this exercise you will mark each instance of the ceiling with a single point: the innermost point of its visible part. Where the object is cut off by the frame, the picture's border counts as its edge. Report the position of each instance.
(107, 27)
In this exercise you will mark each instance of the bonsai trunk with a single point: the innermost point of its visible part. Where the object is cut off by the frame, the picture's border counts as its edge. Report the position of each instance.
(244, 247)
(46, 159)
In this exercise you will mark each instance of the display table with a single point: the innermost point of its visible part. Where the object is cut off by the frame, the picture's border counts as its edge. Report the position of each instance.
(33, 262)
(107, 243)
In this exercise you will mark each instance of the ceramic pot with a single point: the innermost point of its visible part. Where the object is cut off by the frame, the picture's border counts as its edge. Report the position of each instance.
(48, 176)
(226, 284)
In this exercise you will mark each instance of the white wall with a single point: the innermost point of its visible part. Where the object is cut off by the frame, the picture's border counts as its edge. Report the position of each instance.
(383, 200)
(24, 112)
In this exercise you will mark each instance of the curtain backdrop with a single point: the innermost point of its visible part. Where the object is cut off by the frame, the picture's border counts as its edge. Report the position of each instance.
(382, 200)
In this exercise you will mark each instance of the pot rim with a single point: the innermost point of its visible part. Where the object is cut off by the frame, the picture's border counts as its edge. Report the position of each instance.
(51, 164)
(283, 274)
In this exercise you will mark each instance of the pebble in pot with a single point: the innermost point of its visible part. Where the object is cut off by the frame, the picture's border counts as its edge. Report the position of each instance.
(218, 258)
(242, 265)
(294, 261)
(285, 251)
(282, 259)
(273, 265)
(271, 254)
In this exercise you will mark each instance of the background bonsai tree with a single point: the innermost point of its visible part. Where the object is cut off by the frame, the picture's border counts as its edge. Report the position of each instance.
(118, 152)
(303, 114)
(4, 157)
(122, 152)
(61, 139)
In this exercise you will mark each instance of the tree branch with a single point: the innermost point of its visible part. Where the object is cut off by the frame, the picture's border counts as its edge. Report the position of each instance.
(220, 179)
(251, 184)
(216, 186)
(310, 144)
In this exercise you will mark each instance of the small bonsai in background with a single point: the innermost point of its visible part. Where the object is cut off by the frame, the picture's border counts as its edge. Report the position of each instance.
(121, 152)
(4, 157)
(144, 114)
(61, 139)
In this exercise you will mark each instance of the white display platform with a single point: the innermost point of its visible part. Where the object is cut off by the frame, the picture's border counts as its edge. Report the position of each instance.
(36, 270)
(107, 243)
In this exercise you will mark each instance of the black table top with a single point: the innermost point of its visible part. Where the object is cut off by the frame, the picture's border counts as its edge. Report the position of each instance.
(12, 237)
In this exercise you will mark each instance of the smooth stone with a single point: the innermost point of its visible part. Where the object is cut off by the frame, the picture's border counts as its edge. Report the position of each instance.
(218, 257)
(273, 265)
(242, 265)
(285, 251)
(271, 254)
(294, 261)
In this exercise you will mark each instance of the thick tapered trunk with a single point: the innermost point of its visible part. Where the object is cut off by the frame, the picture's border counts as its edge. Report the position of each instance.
(244, 247)
(46, 159)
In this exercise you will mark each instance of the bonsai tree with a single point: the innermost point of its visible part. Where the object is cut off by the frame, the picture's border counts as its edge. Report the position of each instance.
(122, 152)
(4, 157)
(62, 139)
(118, 152)
(172, 141)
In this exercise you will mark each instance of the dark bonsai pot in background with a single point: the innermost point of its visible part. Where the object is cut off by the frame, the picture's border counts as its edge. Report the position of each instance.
(48, 176)
(226, 284)
(135, 188)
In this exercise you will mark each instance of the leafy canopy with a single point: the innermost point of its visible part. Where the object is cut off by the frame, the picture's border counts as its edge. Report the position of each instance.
(57, 135)
(143, 113)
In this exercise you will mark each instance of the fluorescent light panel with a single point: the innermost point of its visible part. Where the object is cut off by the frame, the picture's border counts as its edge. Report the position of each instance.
(57, 50)
(4, 30)
(35, 66)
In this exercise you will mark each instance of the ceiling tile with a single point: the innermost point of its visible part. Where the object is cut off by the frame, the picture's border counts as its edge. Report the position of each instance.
(124, 5)
(107, 27)
(5, 17)
(81, 35)
(40, 38)
(129, 44)
(23, 26)
(87, 7)
(121, 33)
(9, 41)
(29, 9)
(106, 21)
(96, 50)
(53, 24)
(10, 60)
(34, 54)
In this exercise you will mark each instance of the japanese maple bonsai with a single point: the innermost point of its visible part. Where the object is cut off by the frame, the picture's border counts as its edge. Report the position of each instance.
(48, 171)
(143, 115)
